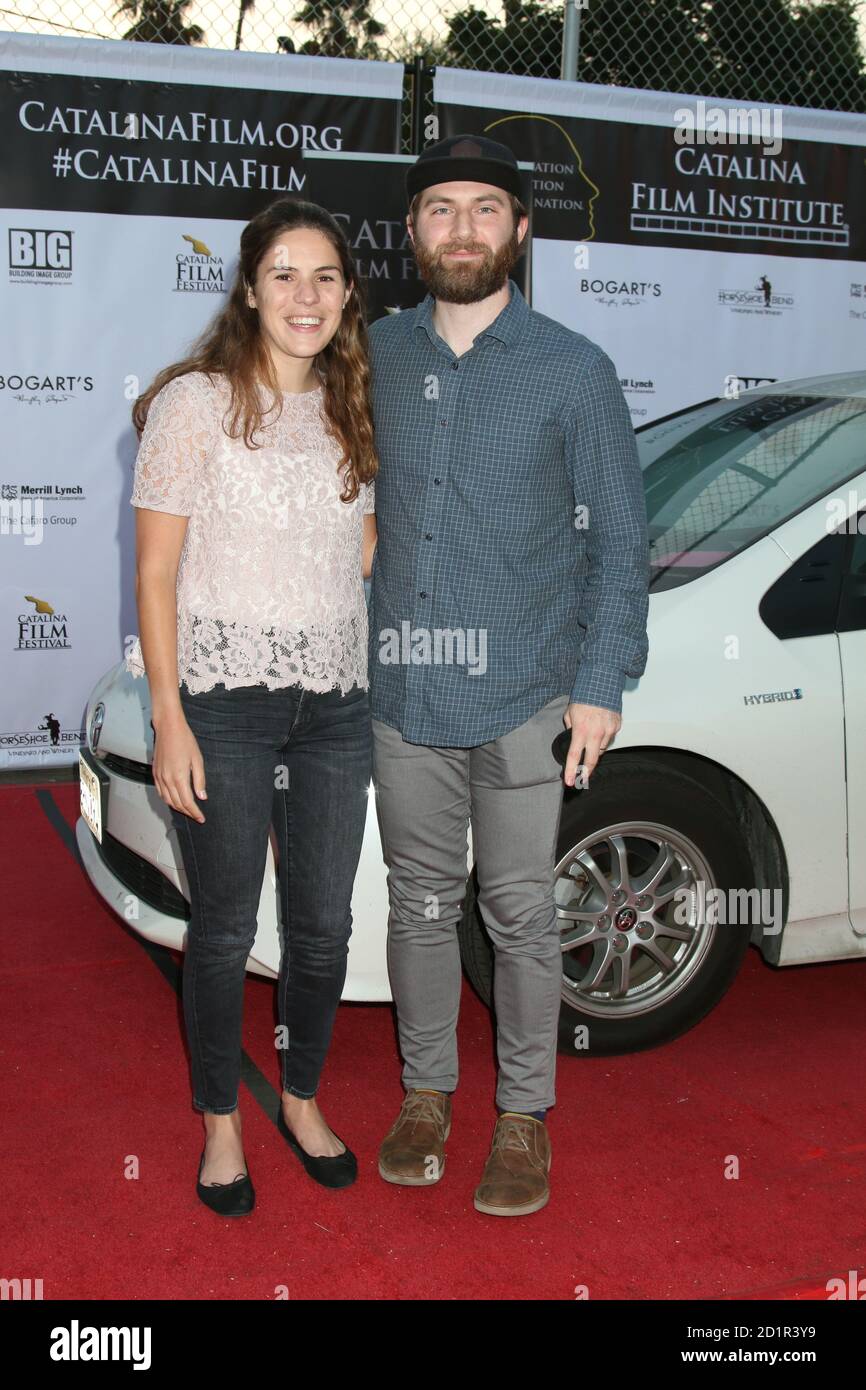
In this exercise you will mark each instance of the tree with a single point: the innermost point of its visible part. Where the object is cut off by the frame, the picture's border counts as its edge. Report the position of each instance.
(787, 52)
(243, 6)
(160, 21)
(341, 29)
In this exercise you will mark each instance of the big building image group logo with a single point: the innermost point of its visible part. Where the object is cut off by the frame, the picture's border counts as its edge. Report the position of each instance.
(39, 256)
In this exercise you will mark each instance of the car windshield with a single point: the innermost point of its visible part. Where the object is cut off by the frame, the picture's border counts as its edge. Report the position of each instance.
(722, 475)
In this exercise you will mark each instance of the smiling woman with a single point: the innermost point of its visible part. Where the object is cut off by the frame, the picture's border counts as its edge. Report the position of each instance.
(254, 490)
(304, 300)
(294, 263)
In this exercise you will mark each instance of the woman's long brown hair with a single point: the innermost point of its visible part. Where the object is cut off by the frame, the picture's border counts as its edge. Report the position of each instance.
(232, 343)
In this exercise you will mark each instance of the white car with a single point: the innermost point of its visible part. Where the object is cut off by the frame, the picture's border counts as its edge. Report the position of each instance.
(730, 808)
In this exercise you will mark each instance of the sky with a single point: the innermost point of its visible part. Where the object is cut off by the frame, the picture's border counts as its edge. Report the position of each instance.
(217, 17)
(402, 18)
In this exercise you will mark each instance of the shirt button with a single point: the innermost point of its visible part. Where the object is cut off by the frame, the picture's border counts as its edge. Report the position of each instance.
(437, 481)
(454, 366)
(428, 536)
(423, 593)
(443, 422)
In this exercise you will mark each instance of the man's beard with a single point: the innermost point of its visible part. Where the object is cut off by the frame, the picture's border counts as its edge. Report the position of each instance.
(466, 282)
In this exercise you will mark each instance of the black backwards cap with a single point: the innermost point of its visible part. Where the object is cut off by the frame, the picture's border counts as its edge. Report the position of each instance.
(470, 158)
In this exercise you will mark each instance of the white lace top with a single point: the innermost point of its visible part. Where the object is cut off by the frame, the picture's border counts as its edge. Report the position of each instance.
(269, 583)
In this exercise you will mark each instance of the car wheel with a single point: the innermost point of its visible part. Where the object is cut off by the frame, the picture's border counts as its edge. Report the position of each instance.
(646, 947)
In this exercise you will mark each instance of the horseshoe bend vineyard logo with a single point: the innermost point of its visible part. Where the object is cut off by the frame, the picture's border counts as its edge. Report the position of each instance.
(198, 270)
(43, 732)
(764, 297)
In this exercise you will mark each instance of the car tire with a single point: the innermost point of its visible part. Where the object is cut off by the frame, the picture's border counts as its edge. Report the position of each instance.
(648, 806)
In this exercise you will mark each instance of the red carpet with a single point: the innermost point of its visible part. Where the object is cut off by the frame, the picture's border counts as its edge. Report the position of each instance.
(94, 1061)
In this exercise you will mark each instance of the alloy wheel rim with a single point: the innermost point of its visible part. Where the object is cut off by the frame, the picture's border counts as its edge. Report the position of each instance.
(631, 907)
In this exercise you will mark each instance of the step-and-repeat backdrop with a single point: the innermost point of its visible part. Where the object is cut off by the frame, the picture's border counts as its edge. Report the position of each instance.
(701, 264)
(130, 170)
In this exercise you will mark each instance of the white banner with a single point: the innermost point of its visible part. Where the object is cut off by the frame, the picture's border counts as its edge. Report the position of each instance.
(130, 171)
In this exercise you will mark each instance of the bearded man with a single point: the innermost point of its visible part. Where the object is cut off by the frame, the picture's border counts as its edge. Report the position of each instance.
(508, 598)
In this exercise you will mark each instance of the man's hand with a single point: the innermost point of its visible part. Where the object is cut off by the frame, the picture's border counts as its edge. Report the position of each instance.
(592, 729)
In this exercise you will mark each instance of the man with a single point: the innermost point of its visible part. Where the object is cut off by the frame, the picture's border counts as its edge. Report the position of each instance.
(509, 597)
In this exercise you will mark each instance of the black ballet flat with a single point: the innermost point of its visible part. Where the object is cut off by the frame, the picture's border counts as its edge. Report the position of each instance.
(339, 1171)
(227, 1198)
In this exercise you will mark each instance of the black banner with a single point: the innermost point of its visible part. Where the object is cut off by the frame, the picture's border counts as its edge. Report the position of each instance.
(108, 145)
(620, 182)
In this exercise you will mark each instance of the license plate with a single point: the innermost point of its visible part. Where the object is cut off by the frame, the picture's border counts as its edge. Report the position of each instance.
(90, 796)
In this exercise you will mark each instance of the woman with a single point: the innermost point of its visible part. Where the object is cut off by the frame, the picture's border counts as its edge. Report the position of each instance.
(255, 530)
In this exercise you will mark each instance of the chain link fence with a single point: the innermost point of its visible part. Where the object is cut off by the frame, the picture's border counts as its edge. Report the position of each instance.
(788, 52)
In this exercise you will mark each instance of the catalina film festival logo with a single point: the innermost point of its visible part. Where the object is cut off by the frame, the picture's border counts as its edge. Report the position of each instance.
(198, 270)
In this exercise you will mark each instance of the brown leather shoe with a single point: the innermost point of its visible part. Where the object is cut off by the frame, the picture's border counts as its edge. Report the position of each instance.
(413, 1150)
(514, 1182)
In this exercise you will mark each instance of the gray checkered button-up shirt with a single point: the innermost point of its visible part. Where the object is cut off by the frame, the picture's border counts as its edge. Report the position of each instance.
(512, 563)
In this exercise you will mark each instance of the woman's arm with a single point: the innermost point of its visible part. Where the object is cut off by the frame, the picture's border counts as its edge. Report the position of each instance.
(369, 544)
(159, 539)
(178, 437)
(174, 443)
(159, 542)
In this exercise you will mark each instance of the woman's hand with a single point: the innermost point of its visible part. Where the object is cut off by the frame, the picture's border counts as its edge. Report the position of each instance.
(178, 766)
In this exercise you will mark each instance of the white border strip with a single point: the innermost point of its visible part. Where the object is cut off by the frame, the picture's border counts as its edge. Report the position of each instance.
(383, 158)
(359, 156)
(593, 101)
(204, 67)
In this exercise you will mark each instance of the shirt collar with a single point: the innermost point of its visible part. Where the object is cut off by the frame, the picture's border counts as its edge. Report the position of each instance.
(508, 325)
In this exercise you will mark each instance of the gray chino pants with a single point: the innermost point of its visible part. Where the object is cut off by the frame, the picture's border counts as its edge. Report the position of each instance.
(511, 789)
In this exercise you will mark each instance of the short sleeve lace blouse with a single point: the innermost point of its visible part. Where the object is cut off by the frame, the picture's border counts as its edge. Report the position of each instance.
(269, 583)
